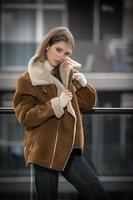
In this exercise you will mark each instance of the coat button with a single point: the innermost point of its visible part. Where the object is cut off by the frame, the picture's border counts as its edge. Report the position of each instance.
(78, 86)
(45, 91)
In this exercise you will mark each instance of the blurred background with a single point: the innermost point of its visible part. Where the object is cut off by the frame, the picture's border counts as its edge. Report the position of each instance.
(103, 32)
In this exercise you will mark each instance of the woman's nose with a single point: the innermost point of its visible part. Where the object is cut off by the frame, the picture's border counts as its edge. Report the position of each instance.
(63, 57)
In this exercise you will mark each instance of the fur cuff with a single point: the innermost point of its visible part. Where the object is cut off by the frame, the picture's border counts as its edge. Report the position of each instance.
(59, 111)
(81, 78)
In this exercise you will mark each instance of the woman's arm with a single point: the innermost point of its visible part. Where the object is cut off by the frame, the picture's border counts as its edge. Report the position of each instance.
(28, 111)
(86, 96)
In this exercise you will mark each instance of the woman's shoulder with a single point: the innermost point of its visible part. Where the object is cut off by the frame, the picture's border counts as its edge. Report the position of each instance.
(24, 78)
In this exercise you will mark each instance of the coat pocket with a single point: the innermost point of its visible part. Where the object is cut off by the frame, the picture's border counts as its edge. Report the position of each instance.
(29, 140)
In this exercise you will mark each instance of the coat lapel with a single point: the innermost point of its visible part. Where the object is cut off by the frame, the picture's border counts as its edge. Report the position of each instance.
(40, 75)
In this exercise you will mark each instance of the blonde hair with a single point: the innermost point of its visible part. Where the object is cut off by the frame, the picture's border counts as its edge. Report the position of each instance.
(54, 35)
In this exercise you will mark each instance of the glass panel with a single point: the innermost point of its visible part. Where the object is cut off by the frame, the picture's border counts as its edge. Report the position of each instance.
(11, 147)
(18, 25)
(109, 142)
(52, 18)
(53, 1)
(15, 56)
(118, 55)
(0, 26)
(110, 12)
(114, 55)
(18, 1)
(6, 99)
(81, 19)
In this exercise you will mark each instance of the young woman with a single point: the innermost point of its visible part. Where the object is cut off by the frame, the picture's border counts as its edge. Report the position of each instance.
(49, 99)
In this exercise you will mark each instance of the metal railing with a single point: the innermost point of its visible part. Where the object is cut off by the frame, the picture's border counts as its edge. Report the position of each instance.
(96, 110)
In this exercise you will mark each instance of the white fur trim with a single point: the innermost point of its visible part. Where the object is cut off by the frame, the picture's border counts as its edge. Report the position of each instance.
(59, 111)
(81, 78)
(48, 66)
(40, 75)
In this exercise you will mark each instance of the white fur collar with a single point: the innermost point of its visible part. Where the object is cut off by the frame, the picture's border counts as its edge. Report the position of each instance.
(40, 75)
(48, 66)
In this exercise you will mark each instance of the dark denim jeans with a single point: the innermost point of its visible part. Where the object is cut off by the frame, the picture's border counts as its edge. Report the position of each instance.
(78, 172)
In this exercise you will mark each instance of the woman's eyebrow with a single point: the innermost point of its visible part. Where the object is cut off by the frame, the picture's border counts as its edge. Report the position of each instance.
(68, 52)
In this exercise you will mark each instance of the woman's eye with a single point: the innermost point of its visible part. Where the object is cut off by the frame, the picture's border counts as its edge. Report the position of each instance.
(67, 54)
(58, 49)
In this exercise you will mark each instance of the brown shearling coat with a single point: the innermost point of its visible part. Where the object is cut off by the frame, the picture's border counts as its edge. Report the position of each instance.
(50, 132)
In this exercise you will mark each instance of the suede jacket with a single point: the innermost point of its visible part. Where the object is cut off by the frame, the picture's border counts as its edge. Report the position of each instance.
(51, 133)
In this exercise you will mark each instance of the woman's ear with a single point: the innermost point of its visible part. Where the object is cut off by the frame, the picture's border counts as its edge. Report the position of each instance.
(47, 48)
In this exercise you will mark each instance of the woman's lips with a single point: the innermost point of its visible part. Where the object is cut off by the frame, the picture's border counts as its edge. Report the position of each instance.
(58, 62)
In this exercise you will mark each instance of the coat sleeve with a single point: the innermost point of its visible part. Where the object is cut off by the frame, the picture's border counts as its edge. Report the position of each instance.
(86, 96)
(28, 112)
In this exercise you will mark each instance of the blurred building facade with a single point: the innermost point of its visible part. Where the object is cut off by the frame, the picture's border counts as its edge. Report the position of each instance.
(103, 31)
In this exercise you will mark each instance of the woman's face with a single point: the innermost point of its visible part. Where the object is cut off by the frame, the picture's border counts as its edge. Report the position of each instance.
(58, 52)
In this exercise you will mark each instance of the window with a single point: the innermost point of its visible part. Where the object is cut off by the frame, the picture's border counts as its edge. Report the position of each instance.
(23, 25)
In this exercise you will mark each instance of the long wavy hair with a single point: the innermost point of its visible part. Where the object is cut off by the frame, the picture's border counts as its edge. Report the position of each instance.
(54, 35)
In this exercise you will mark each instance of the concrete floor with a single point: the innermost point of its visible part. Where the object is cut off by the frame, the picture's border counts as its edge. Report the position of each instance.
(64, 196)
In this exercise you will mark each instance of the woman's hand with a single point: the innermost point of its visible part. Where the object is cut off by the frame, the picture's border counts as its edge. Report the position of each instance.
(81, 78)
(65, 98)
(66, 63)
(69, 61)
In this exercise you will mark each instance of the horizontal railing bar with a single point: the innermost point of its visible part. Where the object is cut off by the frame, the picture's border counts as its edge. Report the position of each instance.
(96, 110)
(20, 179)
(114, 110)
(6, 110)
